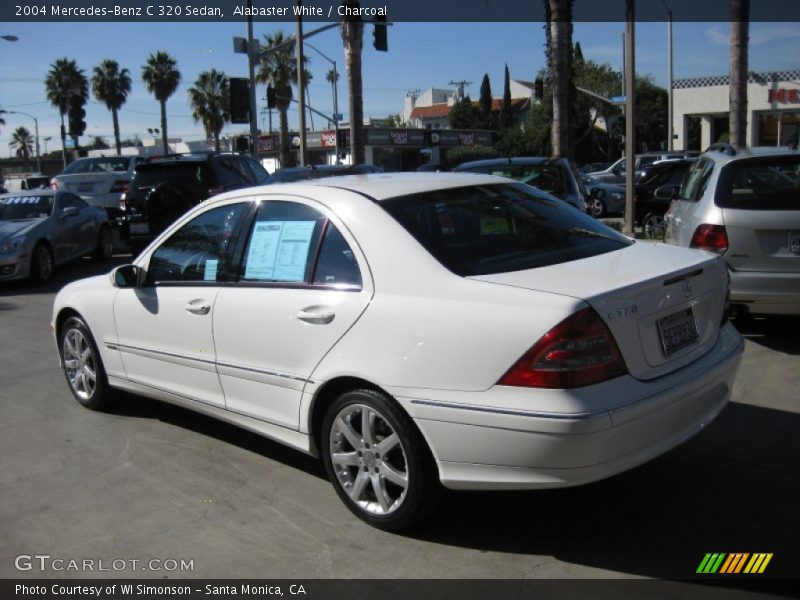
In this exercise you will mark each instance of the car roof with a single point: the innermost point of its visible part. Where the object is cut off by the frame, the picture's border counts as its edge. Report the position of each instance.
(518, 160)
(726, 152)
(380, 186)
(38, 192)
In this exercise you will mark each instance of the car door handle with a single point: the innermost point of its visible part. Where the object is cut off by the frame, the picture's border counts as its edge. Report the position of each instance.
(316, 315)
(198, 307)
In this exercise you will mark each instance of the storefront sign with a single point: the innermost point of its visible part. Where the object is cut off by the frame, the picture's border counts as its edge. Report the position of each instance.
(784, 96)
(267, 143)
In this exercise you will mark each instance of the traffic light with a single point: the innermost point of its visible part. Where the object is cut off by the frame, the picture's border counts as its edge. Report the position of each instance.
(77, 114)
(342, 140)
(538, 89)
(270, 97)
(380, 38)
(240, 100)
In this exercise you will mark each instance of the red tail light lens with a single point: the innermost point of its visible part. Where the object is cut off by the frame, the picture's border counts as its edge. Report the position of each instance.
(710, 237)
(53, 184)
(578, 351)
(119, 186)
(123, 202)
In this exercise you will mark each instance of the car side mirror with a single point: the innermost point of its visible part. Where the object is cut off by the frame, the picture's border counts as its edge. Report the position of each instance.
(616, 170)
(127, 276)
(69, 211)
(667, 192)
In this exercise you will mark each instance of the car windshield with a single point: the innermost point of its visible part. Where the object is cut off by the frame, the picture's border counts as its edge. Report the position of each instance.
(771, 183)
(25, 207)
(98, 165)
(481, 230)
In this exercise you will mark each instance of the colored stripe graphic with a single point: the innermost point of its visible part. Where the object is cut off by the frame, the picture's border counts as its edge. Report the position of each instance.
(734, 563)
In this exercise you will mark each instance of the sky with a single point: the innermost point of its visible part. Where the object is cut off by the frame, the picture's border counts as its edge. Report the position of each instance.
(421, 55)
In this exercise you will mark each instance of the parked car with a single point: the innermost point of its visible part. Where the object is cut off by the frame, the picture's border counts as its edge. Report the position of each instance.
(592, 167)
(25, 182)
(100, 181)
(41, 229)
(616, 172)
(432, 167)
(165, 187)
(414, 330)
(556, 176)
(316, 171)
(648, 209)
(606, 199)
(745, 206)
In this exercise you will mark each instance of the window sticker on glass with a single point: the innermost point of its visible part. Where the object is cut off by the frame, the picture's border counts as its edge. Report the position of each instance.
(494, 225)
(279, 250)
(210, 273)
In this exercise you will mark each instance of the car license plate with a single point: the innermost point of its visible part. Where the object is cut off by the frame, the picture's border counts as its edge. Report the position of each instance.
(677, 331)
(84, 187)
(794, 242)
(138, 228)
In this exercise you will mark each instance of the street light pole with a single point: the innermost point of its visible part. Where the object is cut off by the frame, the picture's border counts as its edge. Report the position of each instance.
(630, 121)
(670, 145)
(36, 127)
(335, 97)
(301, 85)
(252, 54)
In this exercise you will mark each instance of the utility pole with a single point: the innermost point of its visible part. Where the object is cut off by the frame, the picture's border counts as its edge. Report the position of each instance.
(670, 144)
(252, 54)
(301, 85)
(630, 121)
(460, 86)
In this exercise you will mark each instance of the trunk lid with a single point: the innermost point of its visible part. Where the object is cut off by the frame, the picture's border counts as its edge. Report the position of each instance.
(763, 241)
(90, 183)
(662, 304)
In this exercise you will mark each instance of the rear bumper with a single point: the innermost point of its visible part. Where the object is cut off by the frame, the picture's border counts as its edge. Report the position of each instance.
(509, 446)
(766, 293)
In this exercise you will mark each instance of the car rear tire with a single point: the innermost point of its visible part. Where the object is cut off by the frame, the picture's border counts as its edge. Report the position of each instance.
(377, 461)
(83, 366)
(653, 227)
(41, 263)
(105, 245)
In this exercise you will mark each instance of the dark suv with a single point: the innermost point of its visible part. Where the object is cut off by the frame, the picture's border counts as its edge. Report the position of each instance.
(165, 187)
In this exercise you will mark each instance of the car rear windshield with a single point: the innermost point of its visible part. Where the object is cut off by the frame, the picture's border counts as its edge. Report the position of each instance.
(192, 174)
(98, 165)
(486, 229)
(764, 183)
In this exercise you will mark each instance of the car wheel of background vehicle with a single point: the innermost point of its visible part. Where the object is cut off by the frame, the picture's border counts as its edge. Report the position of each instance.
(598, 208)
(105, 244)
(377, 460)
(653, 227)
(83, 367)
(41, 263)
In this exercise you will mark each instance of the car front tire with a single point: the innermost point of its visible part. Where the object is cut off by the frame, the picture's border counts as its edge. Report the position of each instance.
(41, 263)
(598, 208)
(377, 461)
(82, 365)
(653, 227)
(105, 245)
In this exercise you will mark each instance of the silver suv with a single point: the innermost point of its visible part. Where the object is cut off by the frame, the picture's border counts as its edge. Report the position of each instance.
(745, 206)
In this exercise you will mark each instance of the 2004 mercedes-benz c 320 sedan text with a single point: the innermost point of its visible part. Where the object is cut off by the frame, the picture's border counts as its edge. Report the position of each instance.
(414, 331)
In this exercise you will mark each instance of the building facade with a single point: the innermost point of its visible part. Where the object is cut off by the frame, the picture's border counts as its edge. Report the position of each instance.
(773, 110)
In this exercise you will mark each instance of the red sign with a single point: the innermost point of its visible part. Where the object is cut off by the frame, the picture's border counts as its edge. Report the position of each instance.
(784, 96)
(328, 139)
(267, 143)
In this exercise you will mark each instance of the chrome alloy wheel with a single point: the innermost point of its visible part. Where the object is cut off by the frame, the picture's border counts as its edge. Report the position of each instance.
(79, 364)
(369, 459)
(44, 263)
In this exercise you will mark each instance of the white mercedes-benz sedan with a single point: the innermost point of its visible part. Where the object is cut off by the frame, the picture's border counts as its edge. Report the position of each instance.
(415, 331)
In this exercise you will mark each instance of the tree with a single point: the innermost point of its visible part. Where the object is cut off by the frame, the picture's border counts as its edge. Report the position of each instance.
(278, 68)
(591, 144)
(578, 54)
(465, 115)
(559, 76)
(162, 77)
(740, 26)
(353, 39)
(506, 119)
(2, 120)
(485, 104)
(111, 86)
(65, 84)
(98, 143)
(210, 99)
(22, 140)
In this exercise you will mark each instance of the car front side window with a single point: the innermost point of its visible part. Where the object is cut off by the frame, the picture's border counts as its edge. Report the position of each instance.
(198, 251)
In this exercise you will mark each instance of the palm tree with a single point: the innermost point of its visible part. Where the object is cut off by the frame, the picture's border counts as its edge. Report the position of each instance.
(111, 86)
(161, 76)
(210, 99)
(278, 68)
(2, 120)
(737, 119)
(332, 77)
(66, 84)
(22, 140)
(559, 52)
(353, 39)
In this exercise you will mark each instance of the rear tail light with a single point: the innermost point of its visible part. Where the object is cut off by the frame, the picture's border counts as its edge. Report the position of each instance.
(710, 237)
(215, 190)
(120, 186)
(123, 202)
(578, 351)
(53, 184)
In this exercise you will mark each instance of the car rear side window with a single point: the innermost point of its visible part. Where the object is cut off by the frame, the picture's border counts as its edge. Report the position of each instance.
(481, 230)
(336, 265)
(697, 180)
(764, 183)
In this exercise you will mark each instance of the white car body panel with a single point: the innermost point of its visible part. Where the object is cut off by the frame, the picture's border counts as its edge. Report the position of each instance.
(436, 342)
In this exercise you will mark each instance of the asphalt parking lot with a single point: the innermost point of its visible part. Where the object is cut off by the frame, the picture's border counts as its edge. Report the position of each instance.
(151, 481)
